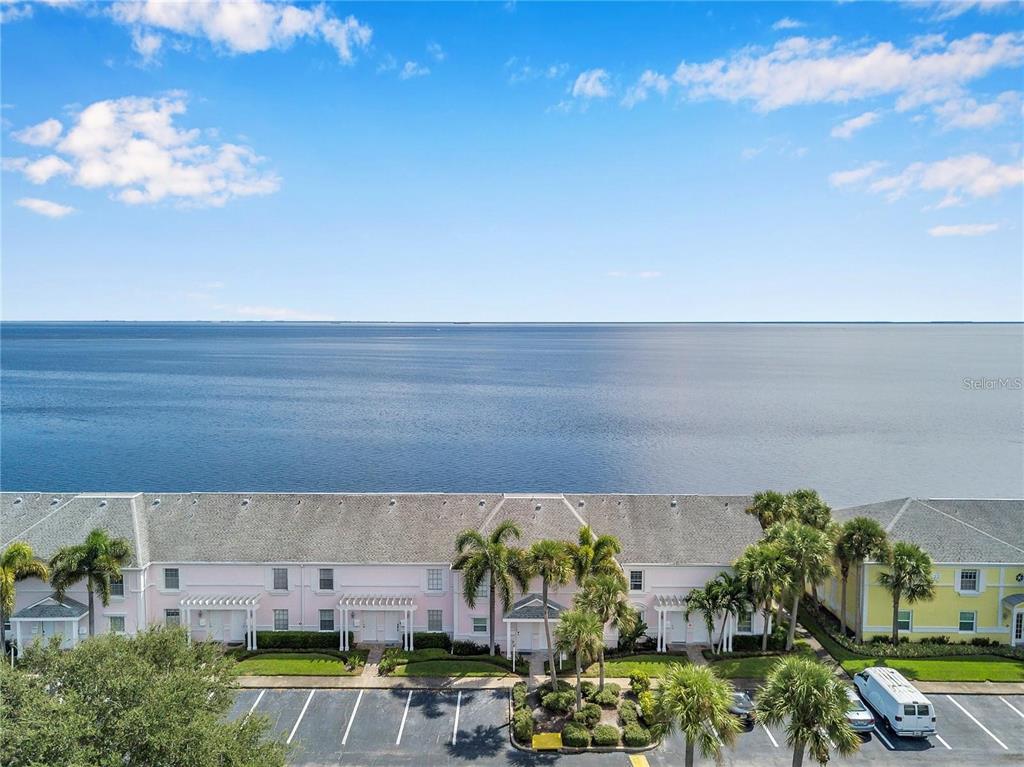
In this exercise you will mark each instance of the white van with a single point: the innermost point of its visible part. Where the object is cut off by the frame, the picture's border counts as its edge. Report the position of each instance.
(908, 712)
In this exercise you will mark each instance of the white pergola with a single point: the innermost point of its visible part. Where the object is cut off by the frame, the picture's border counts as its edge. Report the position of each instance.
(381, 603)
(666, 603)
(224, 602)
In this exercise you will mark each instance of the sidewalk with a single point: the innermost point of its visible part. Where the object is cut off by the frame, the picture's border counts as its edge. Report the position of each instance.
(392, 682)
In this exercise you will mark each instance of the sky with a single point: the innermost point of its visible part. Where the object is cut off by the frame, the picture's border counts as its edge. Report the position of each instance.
(512, 161)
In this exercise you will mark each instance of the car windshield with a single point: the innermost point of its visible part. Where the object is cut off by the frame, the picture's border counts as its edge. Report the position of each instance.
(856, 705)
(741, 699)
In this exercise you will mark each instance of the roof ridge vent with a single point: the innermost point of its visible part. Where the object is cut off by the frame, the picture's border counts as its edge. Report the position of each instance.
(156, 502)
(392, 502)
(245, 501)
(54, 501)
(673, 503)
(17, 500)
(104, 503)
(482, 503)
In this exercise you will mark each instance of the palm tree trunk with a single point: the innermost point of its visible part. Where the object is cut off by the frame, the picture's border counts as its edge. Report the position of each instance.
(600, 660)
(896, 619)
(778, 609)
(798, 753)
(92, 618)
(721, 637)
(766, 613)
(860, 607)
(547, 637)
(3, 635)
(689, 752)
(579, 693)
(490, 619)
(791, 634)
(842, 607)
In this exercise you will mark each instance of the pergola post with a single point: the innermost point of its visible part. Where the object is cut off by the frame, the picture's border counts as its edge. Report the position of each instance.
(188, 624)
(508, 639)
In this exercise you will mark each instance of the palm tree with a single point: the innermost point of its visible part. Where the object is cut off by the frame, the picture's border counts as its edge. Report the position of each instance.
(694, 701)
(98, 559)
(807, 506)
(761, 567)
(811, 702)
(909, 578)
(706, 602)
(605, 597)
(859, 539)
(491, 560)
(17, 563)
(732, 597)
(807, 553)
(595, 555)
(767, 506)
(580, 633)
(551, 561)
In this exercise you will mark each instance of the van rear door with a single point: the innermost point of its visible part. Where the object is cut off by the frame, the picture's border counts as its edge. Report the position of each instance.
(916, 719)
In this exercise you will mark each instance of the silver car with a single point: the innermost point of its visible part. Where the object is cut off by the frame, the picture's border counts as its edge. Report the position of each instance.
(860, 719)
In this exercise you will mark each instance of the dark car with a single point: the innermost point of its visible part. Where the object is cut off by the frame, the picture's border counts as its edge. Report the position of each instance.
(742, 708)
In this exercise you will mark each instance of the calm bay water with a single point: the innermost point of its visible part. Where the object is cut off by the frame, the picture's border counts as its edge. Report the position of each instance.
(861, 412)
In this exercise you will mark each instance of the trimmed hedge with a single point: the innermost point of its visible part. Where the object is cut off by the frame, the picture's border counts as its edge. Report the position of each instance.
(461, 647)
(559, 702)
(648, 708)
(519, 693)
(575, 735)
(426, 640)
(639, 681)
(588, 715)
(301, 640)
(605, 698)
(606, 735)
(545, 688)
(587, 689)
(635, 736)
(751, 642)
(522, 726)
(627, 713)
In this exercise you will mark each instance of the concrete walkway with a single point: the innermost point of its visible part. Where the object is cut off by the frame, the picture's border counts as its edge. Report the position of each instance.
(372, 666)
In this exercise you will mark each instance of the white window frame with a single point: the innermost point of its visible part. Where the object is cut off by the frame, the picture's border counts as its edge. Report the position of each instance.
(748, 615)
(177, 578)
(643, 581)
(439, 573)
(439, 614)
(124, 623)
(287, 618)
(120, 582)
(484, 589)
(320, 620)
(960, 580)
(960, 622)
(320, 579)
(910, 620)
(273, 579)
(476, 624)
(172, 612)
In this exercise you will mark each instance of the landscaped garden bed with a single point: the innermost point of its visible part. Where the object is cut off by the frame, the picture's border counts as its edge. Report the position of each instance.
(299, 662)
(436, 661)
(609, 719)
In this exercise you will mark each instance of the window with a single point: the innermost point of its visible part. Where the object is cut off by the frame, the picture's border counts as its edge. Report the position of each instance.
(433, 620)
(327, 620)
(172, 617)
(484, 588)
(923, 711)
(280, 620)
(479, 625)
(171, 580)
(116, 624)
(968, 620)
(968, 580)
(326, 579)
(636, 580)
(117, 586)
(903, 620)
(909, 709)
(435, 579)
(280, 579)
(745, 622)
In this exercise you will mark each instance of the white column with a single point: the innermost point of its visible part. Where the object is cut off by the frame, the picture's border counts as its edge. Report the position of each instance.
(508, 639)
(661, 619)
(412, 641)
(188, 623)
(17, 636)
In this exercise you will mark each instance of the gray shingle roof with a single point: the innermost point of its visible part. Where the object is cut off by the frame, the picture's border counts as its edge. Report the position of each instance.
(51, 607)
(972, 531)
(531, 607)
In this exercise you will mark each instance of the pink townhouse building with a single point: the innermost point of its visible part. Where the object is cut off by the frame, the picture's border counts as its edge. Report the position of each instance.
(373, 566)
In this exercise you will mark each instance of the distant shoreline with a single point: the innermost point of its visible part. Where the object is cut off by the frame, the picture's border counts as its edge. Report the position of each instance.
(486, 323)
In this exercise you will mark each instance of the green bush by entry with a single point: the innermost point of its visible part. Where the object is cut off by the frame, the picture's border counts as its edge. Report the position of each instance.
(648, 708)
(522, 726)
(299, 640)
(627, 713)
(471, 648)
(751, 642)
(423, 640)
(587, 689)
(575, 735)
(545, 687)
(606, 735)
(639, 681)
(588, 715)
(635, 736)
(559, 702)
(605, 698)
(519, 693)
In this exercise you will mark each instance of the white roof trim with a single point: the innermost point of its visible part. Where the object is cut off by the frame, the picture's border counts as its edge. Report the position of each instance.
(378, 601)
(221, 601)
(669, 600)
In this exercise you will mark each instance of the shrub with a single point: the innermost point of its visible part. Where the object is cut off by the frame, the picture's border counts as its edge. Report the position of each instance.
(627, 713)
(522, 726)
(588, 715)
(545, 688)
(300, 640)
(615, 689)
(425, 640)
(983, 642)
(587, 689)
(519, 693)
(752, 642)
(470, 648)
(559, 701)
(389, 661)
(648, 709)
(639, 681)
(606, 735)
(934, 640)
(605, 699)
(575, 735)
(635, 736)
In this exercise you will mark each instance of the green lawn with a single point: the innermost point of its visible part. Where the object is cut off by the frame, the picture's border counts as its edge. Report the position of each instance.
(971, 668)
(625, 665)
(753, 667)
(294, 664)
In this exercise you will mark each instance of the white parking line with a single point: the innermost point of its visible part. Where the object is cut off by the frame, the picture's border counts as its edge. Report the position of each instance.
(258, 699)
(939, 738)
(884, 739)
(344, 738)
(458, 706)
(770, 736)
(1015, 709)
(983, 727)
(301, 714)
(401, 729)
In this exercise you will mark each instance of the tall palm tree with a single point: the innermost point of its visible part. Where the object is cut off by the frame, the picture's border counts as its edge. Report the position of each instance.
(706, 602)
(806, 506)
(605, 596)
(491, 560)
(595, 555)
(859, 539)
(761, 567)
(767, 506)
(97, 560)
(694, 701)
(17, 563)
(580, 633)
(552, 562)
(909, 577)
(732, 597)
(811, 702)
(807, 553)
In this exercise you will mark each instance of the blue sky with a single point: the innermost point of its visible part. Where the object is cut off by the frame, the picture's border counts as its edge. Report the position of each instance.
(528, 162)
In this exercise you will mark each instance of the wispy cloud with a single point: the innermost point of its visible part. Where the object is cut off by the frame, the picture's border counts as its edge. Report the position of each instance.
(45, 133)
(436, 52)
(413, 69)
(592, 84)
(45, 207)
(967, 113)
(847, 128)
(962, 230)
(854, 175)
(647, 82)
(787, 23)
(643, 275)
(520, 70)
(969, 175)
(279, 313)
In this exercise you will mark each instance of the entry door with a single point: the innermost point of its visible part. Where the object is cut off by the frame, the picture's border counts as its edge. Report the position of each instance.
(50, 629)
(369, 626)
(215, 630)
(391, 620)
(1018, 628)
(235, 631)
(678, 627)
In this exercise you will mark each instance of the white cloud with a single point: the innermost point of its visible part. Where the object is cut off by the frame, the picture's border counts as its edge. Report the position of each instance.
(15, 10)
(855, 175)
(521, 70)
(648, 81)
(413, 69)
(43, 134)
(246, 26)
(750, 152)
(971, 175)
(799, 70)
(591, 84)
(962, 230)
(133, 147)
(951, 9)
(787, 23)
(45, 207)
(847, 128)
(966, 112)
(146, 44)
(436, 52)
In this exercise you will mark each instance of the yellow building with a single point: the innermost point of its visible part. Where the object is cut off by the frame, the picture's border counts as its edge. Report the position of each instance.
(977, 546)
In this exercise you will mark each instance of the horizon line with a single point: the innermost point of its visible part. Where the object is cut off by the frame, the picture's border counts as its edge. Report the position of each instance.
(511, 322)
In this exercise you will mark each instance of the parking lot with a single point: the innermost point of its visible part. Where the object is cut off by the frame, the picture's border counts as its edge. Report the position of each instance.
(421, 727)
